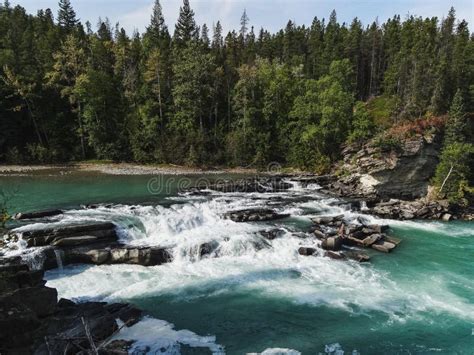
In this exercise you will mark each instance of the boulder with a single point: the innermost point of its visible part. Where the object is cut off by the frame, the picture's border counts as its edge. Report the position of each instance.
(383, 246)
(392, 240)
(446, 217)
(367, 242)
(254, 215)
(318, 234)
(207, 248)
(332, 243)
(307, 251)
(272, 233)
(41, 300)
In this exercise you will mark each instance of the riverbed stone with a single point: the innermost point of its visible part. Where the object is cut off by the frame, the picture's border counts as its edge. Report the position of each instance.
(307, 251)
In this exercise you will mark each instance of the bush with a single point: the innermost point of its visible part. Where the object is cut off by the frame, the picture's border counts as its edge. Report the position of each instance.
(192, 159)
(14, 156)
(381, 110)
(363, 126)
(387, 143)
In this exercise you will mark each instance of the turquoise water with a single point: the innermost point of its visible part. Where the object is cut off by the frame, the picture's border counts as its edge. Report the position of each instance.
(417, 300)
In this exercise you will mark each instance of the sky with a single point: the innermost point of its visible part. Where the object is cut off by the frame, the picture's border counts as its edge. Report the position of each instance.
(270, 14)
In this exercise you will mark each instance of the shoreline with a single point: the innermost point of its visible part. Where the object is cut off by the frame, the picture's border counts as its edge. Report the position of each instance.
(122, 169)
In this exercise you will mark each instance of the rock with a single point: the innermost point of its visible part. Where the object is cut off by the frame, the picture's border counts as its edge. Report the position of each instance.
(383, 246)
(393, 240)
(318, 234)
(18, 325)
(446, 217)
(367, 242)
(45, 236)
(13, 277)
(261, 185)
(332, 243)
(306, 251)
(407, 215)
(377, 228)
(32, 321)
(39, 214)
(254, 215)
(327, 219)
(272, 233)
(128, 314)
(74, 241)
(207, 248)
(357, 256)
(65, 303)
(402, 173)
(117, 347)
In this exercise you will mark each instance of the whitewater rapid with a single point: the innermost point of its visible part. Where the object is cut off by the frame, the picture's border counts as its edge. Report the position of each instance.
(244, 261)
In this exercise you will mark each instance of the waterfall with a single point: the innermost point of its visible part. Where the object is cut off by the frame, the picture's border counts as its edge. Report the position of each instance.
(34, 259)
(363, 206)
(59, 258)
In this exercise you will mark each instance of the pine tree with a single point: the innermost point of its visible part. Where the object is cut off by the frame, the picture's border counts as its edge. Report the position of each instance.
(244, 21)
(455, 128)
(205, 36)
(217, 40)
(185, 29)
(157, 19)
(454, 172)
(66, 15)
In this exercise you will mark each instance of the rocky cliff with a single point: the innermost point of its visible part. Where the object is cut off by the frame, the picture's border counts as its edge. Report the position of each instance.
(402, 171)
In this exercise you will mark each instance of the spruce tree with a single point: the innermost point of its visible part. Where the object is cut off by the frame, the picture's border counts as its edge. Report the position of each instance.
(217, 40)
(157, 25)
(244, 21)
(205, 36)
(456, 123)
(186, 28)
(66, 15)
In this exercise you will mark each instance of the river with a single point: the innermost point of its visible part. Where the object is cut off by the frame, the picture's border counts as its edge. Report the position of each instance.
(253, 295)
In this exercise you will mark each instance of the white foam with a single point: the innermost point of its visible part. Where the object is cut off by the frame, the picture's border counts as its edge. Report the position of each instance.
(277, 351)
(153, 336)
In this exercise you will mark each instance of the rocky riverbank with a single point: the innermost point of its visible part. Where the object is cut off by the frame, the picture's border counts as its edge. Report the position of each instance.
(33, 320)
(392, 181)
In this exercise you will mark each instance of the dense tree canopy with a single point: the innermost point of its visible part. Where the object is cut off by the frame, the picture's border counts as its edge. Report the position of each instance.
(242, 98)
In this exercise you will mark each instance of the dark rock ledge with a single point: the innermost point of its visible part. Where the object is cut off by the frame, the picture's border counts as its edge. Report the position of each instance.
(34, 321)
(258, 184)
(87, 243)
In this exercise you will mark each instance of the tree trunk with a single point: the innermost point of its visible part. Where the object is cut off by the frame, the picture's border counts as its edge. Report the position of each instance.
(35, 124)
(81, 130)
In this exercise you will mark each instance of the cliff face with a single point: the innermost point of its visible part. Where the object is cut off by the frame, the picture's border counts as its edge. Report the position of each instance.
(402, 173)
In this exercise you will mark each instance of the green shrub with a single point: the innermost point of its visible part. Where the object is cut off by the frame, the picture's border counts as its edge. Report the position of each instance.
(14, 156)
(363, 126)
(387, 143)
(192, 159)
